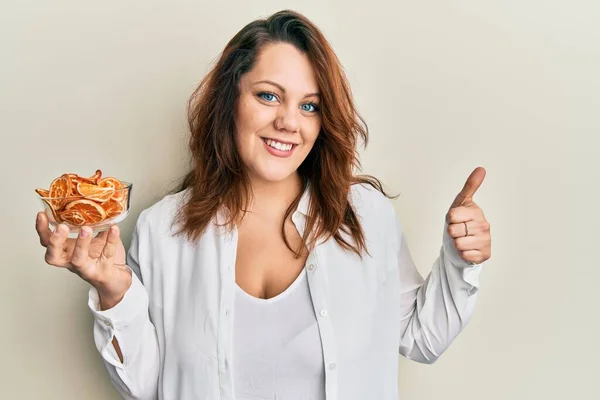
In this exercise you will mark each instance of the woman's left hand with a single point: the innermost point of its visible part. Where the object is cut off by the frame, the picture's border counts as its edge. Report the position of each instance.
(467, 224)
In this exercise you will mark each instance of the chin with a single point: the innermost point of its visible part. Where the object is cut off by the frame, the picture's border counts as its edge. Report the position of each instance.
(274, 174)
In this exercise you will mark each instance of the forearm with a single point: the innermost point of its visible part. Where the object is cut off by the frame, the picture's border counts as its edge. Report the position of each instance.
(436, 310)
(126, 339)
(106, 302)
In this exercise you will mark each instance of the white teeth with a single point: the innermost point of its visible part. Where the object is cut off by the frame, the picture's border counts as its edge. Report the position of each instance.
(279, 146)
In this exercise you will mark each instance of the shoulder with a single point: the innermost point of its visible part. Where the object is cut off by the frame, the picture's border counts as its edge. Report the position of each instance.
(374, 209)
(370, 202)
(162, 213)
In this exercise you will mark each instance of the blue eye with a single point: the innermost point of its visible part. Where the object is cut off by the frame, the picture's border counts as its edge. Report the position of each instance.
(270, 97)
(310, 107)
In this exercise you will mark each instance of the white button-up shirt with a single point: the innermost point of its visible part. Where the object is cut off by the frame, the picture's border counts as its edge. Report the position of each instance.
(174, 324)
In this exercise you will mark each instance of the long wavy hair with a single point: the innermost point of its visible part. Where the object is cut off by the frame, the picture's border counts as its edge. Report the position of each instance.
(218, 181)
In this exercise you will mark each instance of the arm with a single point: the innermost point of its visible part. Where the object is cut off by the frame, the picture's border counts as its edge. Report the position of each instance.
(126, 337)
(434, 310)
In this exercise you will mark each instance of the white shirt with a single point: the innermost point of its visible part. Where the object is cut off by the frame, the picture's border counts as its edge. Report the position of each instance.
(174, 324)
(277, 350)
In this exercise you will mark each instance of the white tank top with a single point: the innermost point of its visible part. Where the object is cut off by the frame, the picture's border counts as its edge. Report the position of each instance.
(277, 350)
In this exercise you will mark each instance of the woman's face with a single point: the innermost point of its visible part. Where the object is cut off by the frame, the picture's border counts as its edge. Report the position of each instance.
(277, 113)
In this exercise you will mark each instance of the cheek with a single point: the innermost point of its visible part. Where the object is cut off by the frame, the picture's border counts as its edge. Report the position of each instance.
(244, 123)
(312, 129)
(251, 117)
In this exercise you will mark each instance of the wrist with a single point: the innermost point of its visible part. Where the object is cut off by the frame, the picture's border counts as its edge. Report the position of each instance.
(110, 296)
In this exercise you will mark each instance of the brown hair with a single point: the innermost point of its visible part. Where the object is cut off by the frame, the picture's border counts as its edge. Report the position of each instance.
(218, 180)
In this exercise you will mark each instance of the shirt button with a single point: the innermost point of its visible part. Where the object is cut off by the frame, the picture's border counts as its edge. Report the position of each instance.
(332, 365)
(323, 313)
(311, 267)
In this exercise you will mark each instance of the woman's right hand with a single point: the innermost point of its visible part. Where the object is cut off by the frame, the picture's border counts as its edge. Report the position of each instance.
(99, 260)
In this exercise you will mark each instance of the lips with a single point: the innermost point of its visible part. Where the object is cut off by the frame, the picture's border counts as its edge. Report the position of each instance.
(279, 149)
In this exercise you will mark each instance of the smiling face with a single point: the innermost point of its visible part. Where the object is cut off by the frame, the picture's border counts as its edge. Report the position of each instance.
(277, 113)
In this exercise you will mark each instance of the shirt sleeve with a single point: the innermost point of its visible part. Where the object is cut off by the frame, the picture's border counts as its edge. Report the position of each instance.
(436, 309)
(129, 322)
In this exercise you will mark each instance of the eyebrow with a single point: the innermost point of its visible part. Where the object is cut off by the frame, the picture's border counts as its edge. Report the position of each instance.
(283, 89)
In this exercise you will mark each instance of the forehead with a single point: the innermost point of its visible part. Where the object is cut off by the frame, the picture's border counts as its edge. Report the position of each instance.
(285, 64)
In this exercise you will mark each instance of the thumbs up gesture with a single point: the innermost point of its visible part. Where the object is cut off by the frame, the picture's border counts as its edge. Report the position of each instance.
(467, 224)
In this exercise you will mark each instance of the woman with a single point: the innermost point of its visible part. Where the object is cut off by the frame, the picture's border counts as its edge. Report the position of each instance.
(275, 272)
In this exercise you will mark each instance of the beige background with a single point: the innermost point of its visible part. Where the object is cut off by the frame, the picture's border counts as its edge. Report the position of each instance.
(445, 86)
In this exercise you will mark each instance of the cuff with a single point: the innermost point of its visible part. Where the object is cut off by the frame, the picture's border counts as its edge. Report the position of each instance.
(470, 272)
(123, 313)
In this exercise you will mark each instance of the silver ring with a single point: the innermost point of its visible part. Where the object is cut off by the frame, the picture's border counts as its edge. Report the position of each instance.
(466, 229)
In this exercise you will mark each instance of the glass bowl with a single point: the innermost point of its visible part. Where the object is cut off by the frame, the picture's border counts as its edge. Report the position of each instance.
(98, 210)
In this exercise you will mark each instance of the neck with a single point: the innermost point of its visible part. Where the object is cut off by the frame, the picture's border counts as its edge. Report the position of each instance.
(271, 199)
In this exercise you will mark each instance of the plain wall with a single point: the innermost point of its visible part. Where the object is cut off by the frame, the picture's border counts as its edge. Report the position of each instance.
(444, 86)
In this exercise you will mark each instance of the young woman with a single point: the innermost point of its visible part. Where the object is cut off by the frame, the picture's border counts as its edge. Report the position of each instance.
(275, 272)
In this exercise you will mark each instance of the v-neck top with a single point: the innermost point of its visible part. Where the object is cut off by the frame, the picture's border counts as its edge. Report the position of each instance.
(276, 346)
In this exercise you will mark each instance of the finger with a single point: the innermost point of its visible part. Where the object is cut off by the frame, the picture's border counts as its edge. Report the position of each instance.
(43, 229)
(473, 228)
(112, 240)
(472, 256)
(462, 214)
(56, 247)
(467, 243)
(97, 244)
(473, 183)
(102, 235)
(81, 250)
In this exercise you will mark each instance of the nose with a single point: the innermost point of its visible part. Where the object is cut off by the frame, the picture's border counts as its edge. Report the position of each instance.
(287, 119)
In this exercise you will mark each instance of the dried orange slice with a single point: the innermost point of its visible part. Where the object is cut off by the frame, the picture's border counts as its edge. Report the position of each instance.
(60, 187)
(109, 181)
(125, 200)
(94, 192)
(76, 179)
(73, 179)
(96, 177)
(116, 185)
(43, 192)
(91, 211)
(113, 208)
(73, 217)
(52, 210)
(92, 180)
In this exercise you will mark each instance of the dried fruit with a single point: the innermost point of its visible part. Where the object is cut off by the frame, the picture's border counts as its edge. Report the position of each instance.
(60, 188)
(113, 208)
(43, 192)
(78, 201)
(91, 211)
(95, 192)
(76, 179)
(116, 185)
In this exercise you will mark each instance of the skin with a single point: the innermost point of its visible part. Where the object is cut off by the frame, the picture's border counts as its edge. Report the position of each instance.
(476, 247)
(284, 108)
(278, 100)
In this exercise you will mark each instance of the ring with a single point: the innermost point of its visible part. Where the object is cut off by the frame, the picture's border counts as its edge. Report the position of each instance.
(466, 229)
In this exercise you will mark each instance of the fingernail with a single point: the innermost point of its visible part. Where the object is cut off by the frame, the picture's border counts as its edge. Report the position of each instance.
(83, 233)
(39, 217)
(113, 229)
